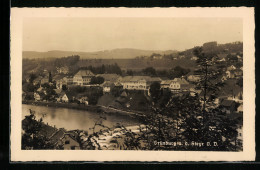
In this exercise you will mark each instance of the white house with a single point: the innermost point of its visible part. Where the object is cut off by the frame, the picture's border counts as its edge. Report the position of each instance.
(165, 84)
(138, 82)
(107, 86)
(179, 84)
(65, 97)
(83, 77)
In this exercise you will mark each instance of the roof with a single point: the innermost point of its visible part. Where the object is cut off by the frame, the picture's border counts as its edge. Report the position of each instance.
(39, 89)
(166, 82)
(58, 91)
(230, 88)
(180, 80)
(84, 73)
(108, 77)
(124, 94)
(117, 84)
(107, 84)
(38, 78)
(138, 78)
(81, 95)
(227, 103)
(58, 77)
(58, 135)
(47, 130)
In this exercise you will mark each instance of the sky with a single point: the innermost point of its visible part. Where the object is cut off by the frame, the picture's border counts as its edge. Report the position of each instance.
(97, 34)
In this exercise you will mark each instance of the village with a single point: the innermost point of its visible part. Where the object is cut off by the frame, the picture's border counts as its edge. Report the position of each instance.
(132, 92)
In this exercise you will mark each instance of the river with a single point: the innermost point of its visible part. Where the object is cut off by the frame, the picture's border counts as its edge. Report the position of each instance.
(72, 119)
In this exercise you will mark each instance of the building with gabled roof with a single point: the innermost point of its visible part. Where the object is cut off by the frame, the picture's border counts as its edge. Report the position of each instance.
(138, 82)
(109, 77)
(179, 84)
(82, 77)
(65, 140)
(228, 106)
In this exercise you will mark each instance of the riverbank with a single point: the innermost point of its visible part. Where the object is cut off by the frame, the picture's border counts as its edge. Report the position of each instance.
(92, 108)
(65, 105)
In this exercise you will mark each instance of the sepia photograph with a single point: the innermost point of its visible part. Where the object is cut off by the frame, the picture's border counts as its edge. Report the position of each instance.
(133, 83)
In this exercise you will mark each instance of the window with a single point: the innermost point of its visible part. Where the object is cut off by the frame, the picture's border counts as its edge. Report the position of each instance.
(67, 142)
(72, 147)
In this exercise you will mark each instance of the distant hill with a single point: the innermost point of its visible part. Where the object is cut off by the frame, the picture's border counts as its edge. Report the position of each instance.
(125, 53)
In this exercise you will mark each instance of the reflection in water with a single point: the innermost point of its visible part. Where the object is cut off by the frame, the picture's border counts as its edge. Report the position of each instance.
(72, 119)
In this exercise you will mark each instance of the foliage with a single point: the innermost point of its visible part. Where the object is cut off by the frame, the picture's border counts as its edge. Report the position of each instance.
(155, 90)
(130, 72)
(110, 69)
(150, 71)
(97, 80)
(31, 137)
(177, 72)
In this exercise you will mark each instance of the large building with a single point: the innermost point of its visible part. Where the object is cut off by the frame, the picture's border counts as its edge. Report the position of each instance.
(138, 82)
(179, 84)
(83, 77)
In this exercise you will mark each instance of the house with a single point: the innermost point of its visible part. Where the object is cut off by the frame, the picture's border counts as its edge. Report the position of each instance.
(109, 77)
(82, 98)
(65, 140)
(230, 74)
(58, 79)
(179, 84)
(62, 70)
(37, 80)
(224, 78)
(165, 84)
(44, 80)
(41, 90)
(193, 78)
(123, 94)
(194, 92)
(26, 78)
(240, 108)
(107, 86)
(238, 73)
(58, 91)
(228, 106)
(83, 77)
(232, 67)
(65, 97)
(222, 60)
(68, 80)
(38, 96)
(138, 82)
(194, 58)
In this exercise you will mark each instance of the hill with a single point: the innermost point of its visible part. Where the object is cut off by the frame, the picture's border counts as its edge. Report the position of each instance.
(125, 53)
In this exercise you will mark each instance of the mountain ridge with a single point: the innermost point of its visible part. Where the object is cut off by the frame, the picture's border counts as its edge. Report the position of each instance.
(120, 53)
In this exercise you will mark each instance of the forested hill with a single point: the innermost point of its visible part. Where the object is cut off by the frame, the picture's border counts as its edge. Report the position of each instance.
(126, 53)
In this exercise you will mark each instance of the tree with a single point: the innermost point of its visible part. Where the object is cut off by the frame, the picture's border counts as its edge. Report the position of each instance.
(97, 80)
(149, 71)
(155, 90)
(129, 72)
(64, 87)
(177, 72)
(31, 137)
(210, 82)
(32, 77)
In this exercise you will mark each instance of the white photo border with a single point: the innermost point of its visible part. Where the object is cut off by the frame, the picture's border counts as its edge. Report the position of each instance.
(248, 153)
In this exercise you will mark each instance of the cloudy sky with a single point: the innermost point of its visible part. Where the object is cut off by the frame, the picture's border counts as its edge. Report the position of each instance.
(95, 34)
